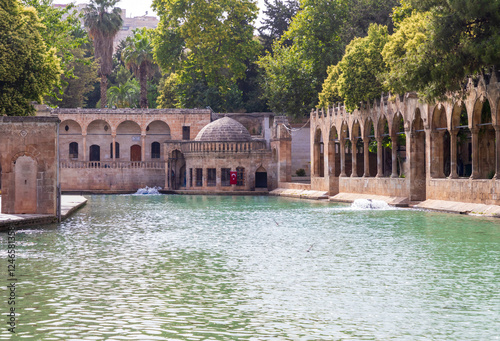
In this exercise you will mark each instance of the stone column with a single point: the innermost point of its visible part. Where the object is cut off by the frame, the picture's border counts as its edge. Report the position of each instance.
(453, 152)
(440, 153)
(143, 149)
(342, 157)
(316, 157)
(380, 169)
(475, 153)
(113, 147)
(354, 156)
(366, 156)
(434, 164)
(84, 147)
(394, 173)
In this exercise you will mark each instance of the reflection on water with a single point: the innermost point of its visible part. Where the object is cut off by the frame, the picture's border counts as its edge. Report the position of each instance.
(256, 268)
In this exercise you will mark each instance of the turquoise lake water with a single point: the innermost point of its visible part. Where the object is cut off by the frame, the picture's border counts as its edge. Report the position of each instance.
(159, 267)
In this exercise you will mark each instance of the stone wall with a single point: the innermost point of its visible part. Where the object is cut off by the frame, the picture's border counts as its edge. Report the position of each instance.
(28, 158)
(301, 145)
(465, 190)
(378, 186)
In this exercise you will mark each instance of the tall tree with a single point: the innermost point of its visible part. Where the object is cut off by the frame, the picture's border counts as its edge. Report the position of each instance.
(356, 78)
(138, 57)
(278, 16)
(103, 21)
(443, 42)
(208, 45)
(28, 70)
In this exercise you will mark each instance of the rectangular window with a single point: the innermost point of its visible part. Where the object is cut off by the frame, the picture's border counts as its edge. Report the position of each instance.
(199, 177)
(190, 177)
(186, 131)
(225, 176)
(240, 176)
(211, 177)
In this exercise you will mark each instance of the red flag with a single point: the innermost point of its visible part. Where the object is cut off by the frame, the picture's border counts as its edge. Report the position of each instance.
(232, 177)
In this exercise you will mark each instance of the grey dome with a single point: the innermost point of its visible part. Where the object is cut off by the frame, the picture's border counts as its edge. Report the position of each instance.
(224, 129)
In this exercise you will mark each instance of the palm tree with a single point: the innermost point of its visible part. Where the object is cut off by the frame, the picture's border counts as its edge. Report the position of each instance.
(103, 21)
(124, 95)
(138, 57)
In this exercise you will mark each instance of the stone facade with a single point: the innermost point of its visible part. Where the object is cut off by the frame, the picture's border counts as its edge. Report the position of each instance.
(222, 147)
(447, 150)
(120, 150)
(28, 160)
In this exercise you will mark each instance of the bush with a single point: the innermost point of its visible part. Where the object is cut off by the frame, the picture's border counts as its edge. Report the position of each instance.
(300, 172)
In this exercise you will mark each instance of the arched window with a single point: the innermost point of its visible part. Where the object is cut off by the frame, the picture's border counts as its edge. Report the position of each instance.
(73, 150)
(95, 153)
(117, 148)
(155, 150)
(240, 176)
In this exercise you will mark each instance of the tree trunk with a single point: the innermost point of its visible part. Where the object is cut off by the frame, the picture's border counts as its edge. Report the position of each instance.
(104, 89)
(143, 80)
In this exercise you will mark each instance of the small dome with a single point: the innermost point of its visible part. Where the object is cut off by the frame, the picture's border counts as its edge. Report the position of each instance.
(224, 129)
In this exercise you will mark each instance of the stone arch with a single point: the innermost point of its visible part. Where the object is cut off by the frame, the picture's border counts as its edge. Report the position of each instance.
(177, 170)
(157, 131)
(261, 177)
(440, 143)
(483, 140)
(333, 152)
(25, 169)
(369, 157)
(98, 127)
(318, 154)
(70, 127)
(398, 139)
(384, 156)
(128, 134)
(345, 161)
(356, 146)
(461, 141)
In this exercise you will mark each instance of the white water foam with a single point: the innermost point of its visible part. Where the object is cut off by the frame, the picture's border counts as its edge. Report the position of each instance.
(148, 191)
(369, 204)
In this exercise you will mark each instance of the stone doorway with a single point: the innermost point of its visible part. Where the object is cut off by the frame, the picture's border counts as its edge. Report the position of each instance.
(135, 153)
(261, 178)
(25, 170)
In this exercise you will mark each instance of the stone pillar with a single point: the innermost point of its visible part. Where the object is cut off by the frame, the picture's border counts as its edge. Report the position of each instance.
(113, 147)
(354, 156)
(366, 157)
(497, 152)
(84, 147)
(440, 153)
(394, 173)
(342, 157)
(316, 158)
(380, 169)
(475, 153)
(434, 164)
(143, 149)
(453, 154)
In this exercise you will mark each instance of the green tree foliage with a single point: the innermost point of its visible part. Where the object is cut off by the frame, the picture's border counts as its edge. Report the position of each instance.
(442, 43)
(319, 33)
(290, 82)
(124, 95)
(28, 69)
(278, 16)
(103, 21)
(356, 77)
(138, 57)
(208, 46)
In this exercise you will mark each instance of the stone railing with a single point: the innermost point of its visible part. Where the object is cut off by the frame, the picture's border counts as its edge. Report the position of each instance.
(223, 147)
(114, 164)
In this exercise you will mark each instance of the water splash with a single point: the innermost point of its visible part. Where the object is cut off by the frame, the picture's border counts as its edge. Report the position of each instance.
(148, 191)
(369, 204)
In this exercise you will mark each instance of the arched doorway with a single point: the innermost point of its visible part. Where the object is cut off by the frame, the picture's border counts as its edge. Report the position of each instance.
(135, 153)
(95, 153)
(177, 170)
(261, 178)
(418, 190)
(25, 170)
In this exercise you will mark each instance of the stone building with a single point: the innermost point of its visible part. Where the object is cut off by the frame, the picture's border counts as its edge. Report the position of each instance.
(445, 151)
(122, 150)
(28, 165)
(220, 148)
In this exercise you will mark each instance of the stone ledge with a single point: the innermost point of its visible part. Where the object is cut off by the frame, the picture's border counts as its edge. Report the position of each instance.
(300, 193)
(460, 207)
(206, 192)
(350, 197)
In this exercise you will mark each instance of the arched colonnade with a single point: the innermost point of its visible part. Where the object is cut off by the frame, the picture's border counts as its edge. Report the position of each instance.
(409, 141)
